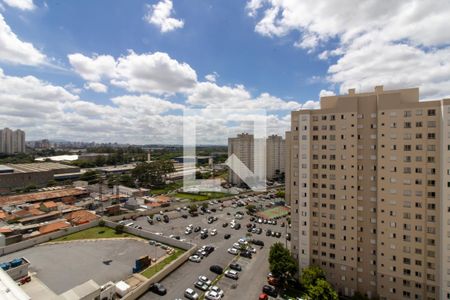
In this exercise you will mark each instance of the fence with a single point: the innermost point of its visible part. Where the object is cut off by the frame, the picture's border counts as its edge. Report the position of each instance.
(45, 238)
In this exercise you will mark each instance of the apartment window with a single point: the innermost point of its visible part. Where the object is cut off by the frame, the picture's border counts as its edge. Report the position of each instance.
(418, 124)
(431, 112)
(407, 113)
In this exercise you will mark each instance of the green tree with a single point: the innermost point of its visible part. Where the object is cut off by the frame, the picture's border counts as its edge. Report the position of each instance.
(322, 290)
(193, 208)
(310, 275)
(91, 177)
(282, 264)
(152, 174)
(251, 208)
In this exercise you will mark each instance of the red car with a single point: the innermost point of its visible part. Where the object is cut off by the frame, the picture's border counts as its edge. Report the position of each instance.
(263, 297)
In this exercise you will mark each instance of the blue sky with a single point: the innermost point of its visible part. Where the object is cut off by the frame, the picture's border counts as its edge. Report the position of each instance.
(123, 70)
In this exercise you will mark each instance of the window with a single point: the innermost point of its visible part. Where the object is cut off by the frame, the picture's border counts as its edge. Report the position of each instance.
(431, 112)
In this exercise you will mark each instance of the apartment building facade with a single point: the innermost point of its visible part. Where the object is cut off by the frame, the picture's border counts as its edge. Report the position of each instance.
(12, 141)
(275, 153)
(368, 181)
(269, 155)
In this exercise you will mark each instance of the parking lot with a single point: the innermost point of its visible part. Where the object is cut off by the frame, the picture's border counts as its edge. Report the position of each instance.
(251, 278)
(65, 265)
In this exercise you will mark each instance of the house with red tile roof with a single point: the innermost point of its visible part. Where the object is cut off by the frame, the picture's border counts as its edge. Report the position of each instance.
(52, 227)
(80, 217)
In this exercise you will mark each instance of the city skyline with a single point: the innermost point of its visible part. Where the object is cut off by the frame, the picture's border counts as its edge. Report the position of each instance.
(126, 75)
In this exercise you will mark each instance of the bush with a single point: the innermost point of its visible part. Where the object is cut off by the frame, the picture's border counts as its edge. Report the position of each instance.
(119, 228)
(101, 223)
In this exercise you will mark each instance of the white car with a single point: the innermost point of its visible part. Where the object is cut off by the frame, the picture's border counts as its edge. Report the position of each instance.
(178, 208)
(204, 279)
(232, 274)
(188, 231)
(236, 246)
(233, 251)
(190, 294)
(213, 232)
(216, 289)
(211, 295)
(195, 258)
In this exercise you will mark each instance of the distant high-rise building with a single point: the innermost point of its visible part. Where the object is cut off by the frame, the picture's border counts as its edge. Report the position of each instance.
(275, 153)
(369, 188)
(12, 142)
(243, 147)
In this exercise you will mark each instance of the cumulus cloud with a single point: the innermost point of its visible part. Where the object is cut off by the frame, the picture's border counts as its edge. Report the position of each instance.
(212, 77)
(21, 4)
(397, 44)
(93, 69)
(324, 93)
(154, 73)
(96, 87)
(160, 15)
(46, 110)
(15, 51)
(211, 95)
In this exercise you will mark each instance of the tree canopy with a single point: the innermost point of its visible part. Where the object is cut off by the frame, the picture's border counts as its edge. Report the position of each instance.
(152, 174)
(282, 264)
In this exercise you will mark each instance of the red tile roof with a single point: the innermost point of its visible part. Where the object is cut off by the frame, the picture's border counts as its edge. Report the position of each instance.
(53, 227)
(80, 217)
(42, 196)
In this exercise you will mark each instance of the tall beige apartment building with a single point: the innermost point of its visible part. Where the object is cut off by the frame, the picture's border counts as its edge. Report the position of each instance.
(272, 160)
(275, 160)
(12, 141)
(368, 179)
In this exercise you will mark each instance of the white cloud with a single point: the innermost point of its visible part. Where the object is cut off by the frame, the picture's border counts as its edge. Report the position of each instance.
(211, 95)
(212, 77)
(93, 69)
(21, 4)
(160, 15)
(145, 105)
(155, 73)
(15, 51)
(324, 93)
(96, 87)
(311, 105)
(398, 44)
(253, 6)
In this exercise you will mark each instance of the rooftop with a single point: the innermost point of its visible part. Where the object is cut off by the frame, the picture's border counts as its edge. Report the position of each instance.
(53, 227)
(37, 167)
(41, 196)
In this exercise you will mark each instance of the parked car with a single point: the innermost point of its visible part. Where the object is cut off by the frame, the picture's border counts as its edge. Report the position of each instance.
(269, 290)
(224, 225)
(236, 267)
(204, 279)
(150, 220)
(197, 228)
(158, 289)
(232, 274)
(211, 295)
(184, 216)
(237, 226)
(166, 219)
(216, 289)
(190, 294)
(195, 258)
(204, 235)
(257, 242)
(263, 297)
(201, 285)
(227, 236)
(213, 232)
(246, 254)
(233, 251)
(216, 269)
(209, 249)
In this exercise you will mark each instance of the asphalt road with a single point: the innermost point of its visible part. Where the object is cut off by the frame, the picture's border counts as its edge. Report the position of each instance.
(252, 278)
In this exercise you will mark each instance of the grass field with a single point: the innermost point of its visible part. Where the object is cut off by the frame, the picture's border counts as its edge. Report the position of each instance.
(201, 196)
(275, 212)
(150, 271)
(97, 232)
(169, 188)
